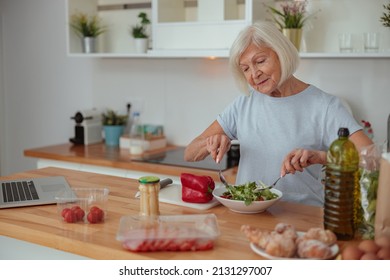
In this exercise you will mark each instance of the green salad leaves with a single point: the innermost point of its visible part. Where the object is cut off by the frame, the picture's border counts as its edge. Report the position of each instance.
(248, 193)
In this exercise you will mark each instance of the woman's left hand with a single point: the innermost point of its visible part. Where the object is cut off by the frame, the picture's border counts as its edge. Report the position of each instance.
(298, 159)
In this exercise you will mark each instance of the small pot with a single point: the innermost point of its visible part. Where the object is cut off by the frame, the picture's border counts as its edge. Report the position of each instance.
(112, 134)
(141, 45)
(89, 45)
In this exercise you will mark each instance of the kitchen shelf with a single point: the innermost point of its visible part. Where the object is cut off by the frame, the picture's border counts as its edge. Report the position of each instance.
(344, 55)
(222, 54)
(181, 34)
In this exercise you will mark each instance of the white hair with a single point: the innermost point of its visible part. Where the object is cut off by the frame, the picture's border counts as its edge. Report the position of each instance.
(268, 35)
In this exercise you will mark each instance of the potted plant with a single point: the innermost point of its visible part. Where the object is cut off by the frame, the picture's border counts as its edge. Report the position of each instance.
(113, 125)
(291, 19)
(87, 28)
(139, 34)
(385, 18)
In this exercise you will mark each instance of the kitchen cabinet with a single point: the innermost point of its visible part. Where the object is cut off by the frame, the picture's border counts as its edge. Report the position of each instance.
(180, 28)
(202, 28)
(211, 25)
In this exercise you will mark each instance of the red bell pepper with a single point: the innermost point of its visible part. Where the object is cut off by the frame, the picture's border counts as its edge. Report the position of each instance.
(196, 188)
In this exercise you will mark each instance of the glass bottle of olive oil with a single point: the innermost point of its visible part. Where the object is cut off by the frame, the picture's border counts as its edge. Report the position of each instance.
(341, 182)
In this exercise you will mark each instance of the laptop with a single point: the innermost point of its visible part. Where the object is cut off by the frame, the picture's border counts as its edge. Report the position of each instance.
(32, 191)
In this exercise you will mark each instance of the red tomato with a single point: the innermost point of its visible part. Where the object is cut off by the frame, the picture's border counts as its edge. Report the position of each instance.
(92, 218)
(152, 246)
(98, 212)
(64, 211)
(163, 244)
(95, 215)
(74, 208)
(187, 245)
(144, 246)
(173, 246)
(70, 217)
(79, 214)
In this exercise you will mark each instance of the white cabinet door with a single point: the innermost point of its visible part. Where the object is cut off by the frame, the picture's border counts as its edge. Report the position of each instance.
(179, 25)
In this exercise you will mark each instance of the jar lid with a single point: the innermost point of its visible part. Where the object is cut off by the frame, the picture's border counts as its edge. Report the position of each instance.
(149, 180)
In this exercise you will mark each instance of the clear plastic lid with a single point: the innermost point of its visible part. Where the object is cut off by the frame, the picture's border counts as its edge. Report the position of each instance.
(168, 233)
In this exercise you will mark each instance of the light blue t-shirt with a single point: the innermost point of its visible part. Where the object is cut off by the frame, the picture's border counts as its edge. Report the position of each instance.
(268, 128)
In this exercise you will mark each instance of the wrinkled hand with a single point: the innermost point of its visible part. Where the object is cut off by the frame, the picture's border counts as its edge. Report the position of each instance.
(217, 145)
(298, 159)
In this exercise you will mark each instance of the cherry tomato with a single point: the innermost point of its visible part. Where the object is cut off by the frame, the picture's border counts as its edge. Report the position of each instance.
(173, 246)
(187, 245)
(74, 208)
(92, 217)
(79, 214)
(98, 212)
(143, 246)
(64, 211)
(70, 217)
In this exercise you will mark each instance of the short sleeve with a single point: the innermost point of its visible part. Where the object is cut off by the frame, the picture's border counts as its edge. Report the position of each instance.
(338, 116)
(229, 116)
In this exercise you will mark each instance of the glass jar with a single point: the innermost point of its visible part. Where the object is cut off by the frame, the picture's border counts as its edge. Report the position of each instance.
(136, 135)
(149, 187)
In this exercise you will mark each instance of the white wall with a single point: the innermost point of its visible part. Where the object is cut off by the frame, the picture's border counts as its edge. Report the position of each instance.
(331, 17)
(2, 145)
(43, 87)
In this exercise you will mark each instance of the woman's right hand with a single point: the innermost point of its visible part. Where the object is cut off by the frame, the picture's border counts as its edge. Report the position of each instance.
(218, 145)
(213, 141)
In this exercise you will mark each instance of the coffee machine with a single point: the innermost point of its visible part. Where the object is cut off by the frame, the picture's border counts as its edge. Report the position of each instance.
(88, 128)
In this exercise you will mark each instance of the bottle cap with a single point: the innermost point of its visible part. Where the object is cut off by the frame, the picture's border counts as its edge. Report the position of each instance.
(149, 180)
(343, 132)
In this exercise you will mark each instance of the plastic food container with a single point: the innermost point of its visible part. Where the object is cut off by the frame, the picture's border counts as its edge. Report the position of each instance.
(84, 205)
(168, 233)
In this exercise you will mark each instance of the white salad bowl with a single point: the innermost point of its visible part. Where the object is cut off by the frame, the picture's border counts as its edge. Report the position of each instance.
(239, 205)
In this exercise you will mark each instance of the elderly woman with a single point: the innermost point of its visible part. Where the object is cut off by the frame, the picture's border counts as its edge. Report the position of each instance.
(283, 124)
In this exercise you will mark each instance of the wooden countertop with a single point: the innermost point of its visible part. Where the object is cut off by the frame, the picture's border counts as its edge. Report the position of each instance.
(41, 224)
(114, 157)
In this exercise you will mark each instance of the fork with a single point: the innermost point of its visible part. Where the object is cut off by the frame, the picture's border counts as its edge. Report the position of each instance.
(273, 185)
(270, 186)
(223, 179)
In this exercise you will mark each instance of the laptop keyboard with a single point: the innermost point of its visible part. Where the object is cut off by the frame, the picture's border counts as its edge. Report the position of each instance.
(19, 191)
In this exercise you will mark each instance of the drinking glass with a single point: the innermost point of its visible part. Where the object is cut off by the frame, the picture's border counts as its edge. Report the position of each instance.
(371, 41)
(345, 42)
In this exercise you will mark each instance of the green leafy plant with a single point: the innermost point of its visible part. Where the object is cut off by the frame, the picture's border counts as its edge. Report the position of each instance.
(87, 26)
(139, 30)
(292, 15)
(385, 18)
(113, 118)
